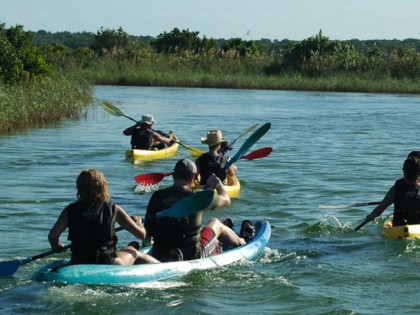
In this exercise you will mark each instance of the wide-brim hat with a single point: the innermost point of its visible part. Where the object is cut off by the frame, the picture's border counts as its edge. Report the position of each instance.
(213, 137)
(147, 119)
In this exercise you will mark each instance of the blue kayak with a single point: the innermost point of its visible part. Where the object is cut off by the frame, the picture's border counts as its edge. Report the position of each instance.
(61, 272)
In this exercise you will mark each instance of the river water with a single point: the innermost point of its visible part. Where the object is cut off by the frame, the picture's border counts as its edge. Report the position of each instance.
(329, 148)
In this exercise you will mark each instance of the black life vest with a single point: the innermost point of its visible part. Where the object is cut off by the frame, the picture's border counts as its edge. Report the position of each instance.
(211, 164)
(91, 231)
(406, 203)
(170, 233)
(141, 139)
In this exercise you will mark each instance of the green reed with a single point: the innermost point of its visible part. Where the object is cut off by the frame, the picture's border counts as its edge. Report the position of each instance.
(42, 102)
(241, 73)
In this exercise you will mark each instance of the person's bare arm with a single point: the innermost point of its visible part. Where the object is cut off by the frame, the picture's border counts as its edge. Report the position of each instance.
(58, 228)
(385, 203)
(131, 224)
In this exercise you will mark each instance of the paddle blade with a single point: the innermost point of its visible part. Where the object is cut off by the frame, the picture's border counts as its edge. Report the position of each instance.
(189, 205)
(249, 143)
(194, 151)
(8, 268)
(112, 109)
(150, 179)
(243, 134)
(258, 154)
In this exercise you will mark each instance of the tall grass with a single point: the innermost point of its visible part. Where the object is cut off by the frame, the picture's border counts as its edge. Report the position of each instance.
(42, 102)
(249, 73)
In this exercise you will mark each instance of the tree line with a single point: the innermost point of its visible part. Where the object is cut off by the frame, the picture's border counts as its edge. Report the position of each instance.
(28, 55)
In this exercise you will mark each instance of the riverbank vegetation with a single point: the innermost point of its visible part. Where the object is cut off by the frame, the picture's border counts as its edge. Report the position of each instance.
(182, 58)
(65, 66)
(32, 92)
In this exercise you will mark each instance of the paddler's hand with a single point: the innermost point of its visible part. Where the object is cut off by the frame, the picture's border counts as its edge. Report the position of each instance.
(213, 182)
(59, 247)
(136, 219)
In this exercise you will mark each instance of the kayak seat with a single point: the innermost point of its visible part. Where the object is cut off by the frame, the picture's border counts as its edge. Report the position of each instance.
(176, 255)
(247, 230)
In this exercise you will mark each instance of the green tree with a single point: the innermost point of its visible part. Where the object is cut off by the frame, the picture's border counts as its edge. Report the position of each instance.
(243, 48)
(183, 41)
(110, 41)
(19, 59)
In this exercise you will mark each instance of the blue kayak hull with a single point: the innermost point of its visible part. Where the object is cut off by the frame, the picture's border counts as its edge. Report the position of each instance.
(61, 272)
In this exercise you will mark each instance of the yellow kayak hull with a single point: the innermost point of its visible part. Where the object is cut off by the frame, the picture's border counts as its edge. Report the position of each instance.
(149, 155)
(233, 188)
(400, 231)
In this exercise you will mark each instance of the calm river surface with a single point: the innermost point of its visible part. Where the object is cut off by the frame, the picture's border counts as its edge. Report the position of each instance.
(329, 148)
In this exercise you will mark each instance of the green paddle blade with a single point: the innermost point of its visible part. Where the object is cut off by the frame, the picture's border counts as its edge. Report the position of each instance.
(249, 143)
(243, 134)
(113, 110)
(189, 205)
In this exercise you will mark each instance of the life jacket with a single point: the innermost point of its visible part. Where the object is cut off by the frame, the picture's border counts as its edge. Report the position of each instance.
(406, 203)
(171, 233)
(210, 164)
(141, 139)
(91, 232)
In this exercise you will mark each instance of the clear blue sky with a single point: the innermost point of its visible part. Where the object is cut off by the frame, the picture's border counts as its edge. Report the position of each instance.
(247, 19)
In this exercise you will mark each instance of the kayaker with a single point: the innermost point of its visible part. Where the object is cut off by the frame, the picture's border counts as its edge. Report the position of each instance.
(404, 194)
(184, 238)
(91, 226)
(144, 138)
(213, 162)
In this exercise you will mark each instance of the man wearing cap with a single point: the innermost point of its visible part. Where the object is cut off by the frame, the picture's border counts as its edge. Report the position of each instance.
(143, 137)
(213, 162)
(185, 236)
(405, 194)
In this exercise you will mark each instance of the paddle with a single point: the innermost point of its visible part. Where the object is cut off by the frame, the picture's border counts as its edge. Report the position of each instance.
(155, 178)
(151, 178)
(258, 154)
(8, 268)
(184, 207)
(362, 224)
(359, 204)
(249, 143)
(188, 205)
(113, 110)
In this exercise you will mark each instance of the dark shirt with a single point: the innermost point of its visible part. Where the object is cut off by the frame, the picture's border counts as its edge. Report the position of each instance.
(170, 233)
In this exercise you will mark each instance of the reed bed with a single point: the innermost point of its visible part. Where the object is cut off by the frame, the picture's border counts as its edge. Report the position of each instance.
(42, 102)
(213, 72)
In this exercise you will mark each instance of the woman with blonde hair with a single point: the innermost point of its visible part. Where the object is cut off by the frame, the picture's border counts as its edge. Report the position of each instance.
(91, 225)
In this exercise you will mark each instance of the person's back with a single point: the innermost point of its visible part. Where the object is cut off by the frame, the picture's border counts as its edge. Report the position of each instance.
(185, 235)
(91, 231)
(145, 138)
(213, 162)
(209, 164)
(407, 193)
(170, 233)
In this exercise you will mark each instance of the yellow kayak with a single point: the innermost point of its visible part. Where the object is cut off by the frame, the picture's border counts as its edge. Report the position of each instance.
(233, 187)
(400, 231)
(148, 155)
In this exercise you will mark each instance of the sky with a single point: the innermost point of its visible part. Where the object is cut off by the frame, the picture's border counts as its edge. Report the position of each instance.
(246, 19)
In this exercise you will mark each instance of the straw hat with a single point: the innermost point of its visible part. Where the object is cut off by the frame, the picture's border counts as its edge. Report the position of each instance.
(213, 137)
(147, 119)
